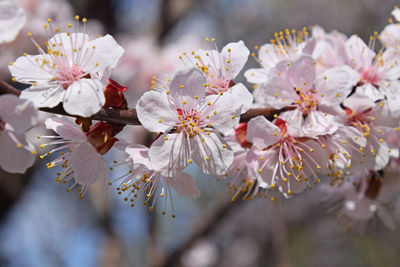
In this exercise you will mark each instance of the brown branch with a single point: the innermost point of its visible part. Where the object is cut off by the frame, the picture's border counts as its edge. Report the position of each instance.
(129, 116)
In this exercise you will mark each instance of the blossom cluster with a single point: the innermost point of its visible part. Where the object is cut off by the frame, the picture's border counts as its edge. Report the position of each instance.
(334, 119)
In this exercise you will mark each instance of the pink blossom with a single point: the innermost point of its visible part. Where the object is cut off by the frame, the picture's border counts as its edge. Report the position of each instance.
(190, 123)
(72, 70)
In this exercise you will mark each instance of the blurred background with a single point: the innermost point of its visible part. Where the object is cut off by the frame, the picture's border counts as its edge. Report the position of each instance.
(42, 225)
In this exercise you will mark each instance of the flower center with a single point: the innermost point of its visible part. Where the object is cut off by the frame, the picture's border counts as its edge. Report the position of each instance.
(370, 75)
(67, 75)
(307, 101)
(189, 122)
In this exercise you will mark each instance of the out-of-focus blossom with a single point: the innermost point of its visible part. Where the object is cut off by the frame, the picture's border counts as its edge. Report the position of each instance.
(16, 117)
(390, 35)
(72, 70)
(191, 123)
(12, 19)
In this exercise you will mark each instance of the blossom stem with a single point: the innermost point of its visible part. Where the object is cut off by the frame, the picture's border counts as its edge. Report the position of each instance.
(129, 116)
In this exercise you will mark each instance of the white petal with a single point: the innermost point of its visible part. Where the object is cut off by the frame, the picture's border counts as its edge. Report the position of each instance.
(256, 76)
(224, 112)
(139, 155)
(170, 155)
(185, 86)
(262, 133)
(396, 14)
(87, 164)
(74, 47)
(213, 155)
(317, 123)
(359, 101)
(49, 95)
(294, 122)
(241, 93)
(65, 129)
(29, 69)
(12, 19)
(299, 73)
(359, 53)
(106, 53)
(267, 166)
(12, 158)
(84, 97)
(184, 184)
(20, 113)
(155, 112)
(336, 84)
(237, 53)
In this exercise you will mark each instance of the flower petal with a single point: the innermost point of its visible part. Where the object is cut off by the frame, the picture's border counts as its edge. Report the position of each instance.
(155, 113)
(16, 155)
(65, 129)
(240, 92)
(20, 113)
(12, 19)
(237, 54)
(84, 97)
(317, 123)
(359, 53)
(336, 84)
(139, 155)
(256, 76)
(213, 155)
(30, 69)
(169, 154)
(44, 95)
(262, 133)
(87, 164)
(184, 184)
(187, 88)
(106, 53)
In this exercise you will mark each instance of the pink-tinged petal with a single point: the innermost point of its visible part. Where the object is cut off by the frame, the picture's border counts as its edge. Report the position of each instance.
(382, 155)
(184, 184)
(237, 54)
(84, 97)
(267, 166)
(213, 155)
(241, 93)
(87, 164)
(352, 133)
(256, 76)
(139, 155)
(309, 46)
(223, 111)
(20, 113)
(262, 133)
(319, 123)
(294, 122)
(299, 73)
(106, 53)
(359, 101)
(170, 154)
(12, 19)
(44, 95)
(335, 85)
(268, 56)
(15, 155)
(30, 69)
(358, 53)
(155, 113)
(65, 129)
(187, 88)
(391, 34)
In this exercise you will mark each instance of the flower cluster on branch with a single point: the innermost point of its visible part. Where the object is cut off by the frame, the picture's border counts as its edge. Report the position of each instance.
(322, 109)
